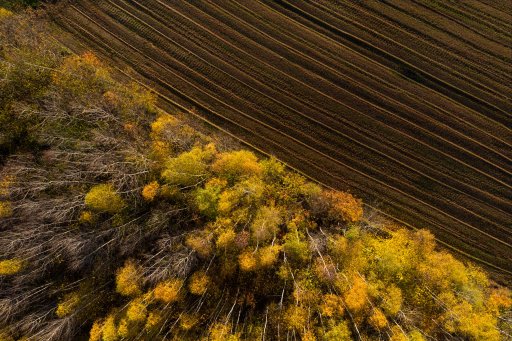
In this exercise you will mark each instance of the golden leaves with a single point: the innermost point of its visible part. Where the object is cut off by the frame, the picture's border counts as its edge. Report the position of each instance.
(128, 279)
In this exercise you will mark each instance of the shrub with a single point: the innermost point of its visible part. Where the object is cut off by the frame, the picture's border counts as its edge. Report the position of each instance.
(378, 320)
(198, 283)
(137, 311)
(189, 168)
(104, 198)
(10, 266)
(96, 331)
(168, 291)
(233, 165)
(68, 304)
(150, 191)
(5, 209)
(128, 279)
(247, 261)
(4, 13)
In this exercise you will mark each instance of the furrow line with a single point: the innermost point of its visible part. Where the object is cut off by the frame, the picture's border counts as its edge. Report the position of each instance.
(426, 45)
(498, 114)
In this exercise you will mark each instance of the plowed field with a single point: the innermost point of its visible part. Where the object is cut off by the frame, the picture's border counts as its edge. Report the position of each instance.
(404, 103)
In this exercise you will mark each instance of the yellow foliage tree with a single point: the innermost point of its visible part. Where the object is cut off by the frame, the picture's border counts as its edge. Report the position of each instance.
(222, 332)
(296, 317)
(332, 306)
(150, 191)
(395, 258)
(104, 198)
(247, 261)
(86, 217)
(123, 329)
(168, 291)
(137, 310)
(188, 321)
(338, 332)
(225, 239)
(96, 331)
(397, 334)
(377, 319)
(267, 256)
(442, 271)
(337, 246)
(109, 330)
(68, 304)
(233, 165)
(81, 75)
(154, 318)
(161, 148)
(10, 266)
(4, 13)
(308, 335)
(128, 279)
(296, 247)
(499, 299)
(415, 335)
(189, 168)
(356, 297)
(244, 195)
(198, 283)
(266, 223)
(392, 300)
(201, 243)
(5, 209)
(207, 198)
(163, 122)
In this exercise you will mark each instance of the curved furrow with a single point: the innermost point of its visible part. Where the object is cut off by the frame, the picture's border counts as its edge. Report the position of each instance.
(498, 6)
(410, 13)
(411, 55)
(444, 33)
(224, 66)
(499, 113)
(479, 10)
(389, 71)
(258, 117)
(456, 240)
(480, 69)
(470, 21)
(491, 12)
